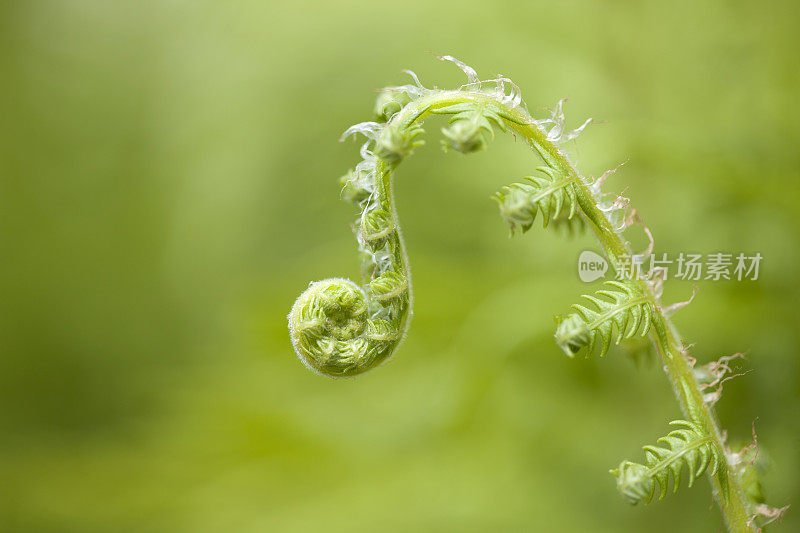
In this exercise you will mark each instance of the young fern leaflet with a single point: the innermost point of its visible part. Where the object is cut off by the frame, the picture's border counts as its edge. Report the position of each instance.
(627, 309)
(687, 446)
(549, 195)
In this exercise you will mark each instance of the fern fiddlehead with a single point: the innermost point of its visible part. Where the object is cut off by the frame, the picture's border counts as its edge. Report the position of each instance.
(687, 446)
(339, 328)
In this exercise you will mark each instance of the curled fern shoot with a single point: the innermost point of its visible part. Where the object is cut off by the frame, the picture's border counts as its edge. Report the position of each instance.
(340, 328)
(687, 446)
(626, 309)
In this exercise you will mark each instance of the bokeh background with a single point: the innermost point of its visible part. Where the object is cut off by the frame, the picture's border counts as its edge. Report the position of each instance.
(168, 186)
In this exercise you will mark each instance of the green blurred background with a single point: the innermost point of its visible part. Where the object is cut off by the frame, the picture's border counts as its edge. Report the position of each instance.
(168, 186)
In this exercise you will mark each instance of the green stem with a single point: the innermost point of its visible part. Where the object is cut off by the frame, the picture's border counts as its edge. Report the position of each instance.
(725, 484)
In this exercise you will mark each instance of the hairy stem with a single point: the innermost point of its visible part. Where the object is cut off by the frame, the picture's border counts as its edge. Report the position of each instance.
(726, 487)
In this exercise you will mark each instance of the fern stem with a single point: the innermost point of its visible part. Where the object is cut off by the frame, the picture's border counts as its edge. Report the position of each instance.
(734, 507)
(725, 484)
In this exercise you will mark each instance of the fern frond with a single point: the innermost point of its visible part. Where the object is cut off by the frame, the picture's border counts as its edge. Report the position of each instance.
(551, 194)
(688, 446)
(339, 328)
(625, 308)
